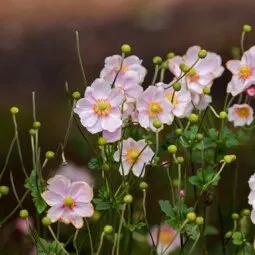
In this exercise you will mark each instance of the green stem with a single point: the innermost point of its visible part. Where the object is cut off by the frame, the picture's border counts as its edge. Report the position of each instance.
(74, 241)
(14, 190)
(100, 244)
(155, 75)
(114, 243)
(90, 237)
(120, 227)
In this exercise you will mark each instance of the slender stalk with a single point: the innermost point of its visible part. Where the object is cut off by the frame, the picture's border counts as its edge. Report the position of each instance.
(155, 75)
(157, 141)
(33, 105)
(114, 243)
(74, 242)
(14, 189)
(171, 185)
(162, 74)
(33, 150)
(100, 244)
(194, 244)
(242, 41)
(120, 227)
(90, 237)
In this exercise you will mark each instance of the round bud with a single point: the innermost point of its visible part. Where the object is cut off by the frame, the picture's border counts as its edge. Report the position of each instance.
(176, 183)
(228, 234)
(157, 60)
(200, 137)
(179, 160)
(143, 185)
(157, 124)
(4, 190)
(126, 48)
(46, 221)
(182, 193)
(96, 216)
(246, 212)
(193, 118)
(233, 157)
(223, 115)
(172, 149)
(206, 90)
(105, 167)
(165, 65)
(36, 124)
(76, 95)
(128, 199)
(228, 159)
(247, 28)
(32, 132)
(49, 154)
(108, 229)
(191, 216)
(178, 131)
(202, 53)
(177, 86)
(200, 220)
(184, 68)
(235, 216)
(170, 55)
(23, 214)
(14, 110)
(102, 141)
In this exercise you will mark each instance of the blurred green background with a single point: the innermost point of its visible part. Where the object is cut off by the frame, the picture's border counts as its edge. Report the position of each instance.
(37, 53)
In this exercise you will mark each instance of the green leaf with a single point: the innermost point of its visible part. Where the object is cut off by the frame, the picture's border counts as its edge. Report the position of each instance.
(101, 205)
(34, 184)
(166, 207)
(211, 230)
(242, 136)
(237, 235)
(45, 247)
(229, 138)
(192, 230)
(213, 134)
(136, 226)
(93, 163)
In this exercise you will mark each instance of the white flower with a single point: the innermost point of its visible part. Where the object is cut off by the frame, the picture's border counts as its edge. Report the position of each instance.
(240, 114)
(202, 74)
(130, 64)
(135, 155)
(243, 72)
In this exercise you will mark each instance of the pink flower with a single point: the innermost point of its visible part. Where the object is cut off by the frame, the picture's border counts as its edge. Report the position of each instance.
(202, 74)
(128, 83)
(240, 114)
(243, 72)
(130, 64)
(167, 238)
(75, 173)
(23, 225)
(135, 155)
(69, 201)
(152, 105)
(200, 101)
(100, 108)
(180, 101)
(112, 137)
(251, 91)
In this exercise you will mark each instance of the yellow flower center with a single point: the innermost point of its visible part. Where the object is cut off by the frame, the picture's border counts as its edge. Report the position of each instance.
(132, 155)
(245, 72)
(69, 202)
(165, 237)
(123, 68)
(102, 107)
(154, 109)
(172, 100)
(192, 75)
(243, 112)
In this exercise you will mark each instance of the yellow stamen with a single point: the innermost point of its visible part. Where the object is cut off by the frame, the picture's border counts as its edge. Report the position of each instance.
(102, 107)
(69, 202)
(154, 109)
(132, 155)
(172, 100)
(245, 72)
(193, 75)
(165, 237)
(243, 112)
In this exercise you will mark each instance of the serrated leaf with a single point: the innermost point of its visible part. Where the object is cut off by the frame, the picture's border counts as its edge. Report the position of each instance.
(166, 207)
(93, 164)
(45, 247)
(101, 205)
(213, 134)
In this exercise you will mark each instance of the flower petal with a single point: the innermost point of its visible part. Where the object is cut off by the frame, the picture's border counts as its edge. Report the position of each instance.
(55, 213)
(60, 185)
(83, 209)
(81, 192)
(51, 198)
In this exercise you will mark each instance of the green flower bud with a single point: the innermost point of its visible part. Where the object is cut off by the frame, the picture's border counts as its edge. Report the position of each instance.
(172, 149)
(228, 234)
(247, 28)
(228, 159)
(32, 132)
(36, 124)
(202, 53)
(233, 157)
(4, 190)
(102, 141)
(184, 68)
(170, 55)
(49, 154)
(157, 124)
(46, 221)
(14, 110)
(178, 131)
(23, 214)
(96, 216)
(165, 65)
(193, 118)
(206, 90)
(126, 48)
(177, 86)
(246, 212)
(191, 216)
(128, 199)
(76, 95)
(157, 60)
(143, 185)
(223, 115)
(108, 229)
(200, 137)
(235, 216)
(176, 183)
(179, 160)
(245, 225)
(200, 220)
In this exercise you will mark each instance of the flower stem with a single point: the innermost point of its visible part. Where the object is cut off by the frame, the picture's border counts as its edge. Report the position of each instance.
(74, 241)
(100, 244)
(120, 226)
(155, 75)
(90, 237)
(114, 243)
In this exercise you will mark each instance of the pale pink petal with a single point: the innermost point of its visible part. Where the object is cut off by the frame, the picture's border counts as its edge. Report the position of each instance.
(147, 155)
(233, 66)
(174, 65)
(51, 198)
(124, 168)
(101, 88)
(97, 127)
(112, 137)
(81, 192)
(115, 98)
(143, 119)
(138, 169)
(60, 185)
(90, 120)
(76, 220)
(83, 209)
(111, 123)
(55, 213)
(132, 60)
(191, 55)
